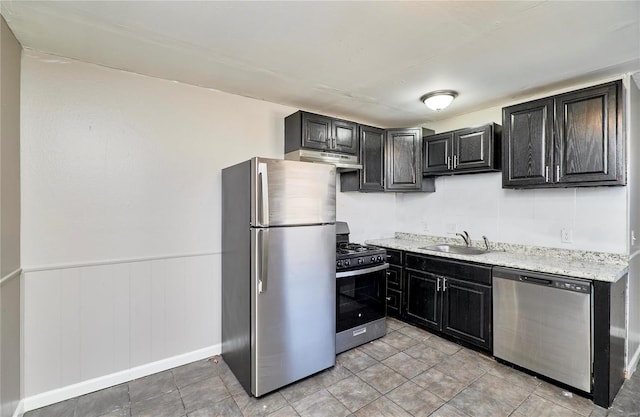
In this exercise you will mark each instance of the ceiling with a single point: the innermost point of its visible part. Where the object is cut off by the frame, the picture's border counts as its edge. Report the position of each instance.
(367, 61)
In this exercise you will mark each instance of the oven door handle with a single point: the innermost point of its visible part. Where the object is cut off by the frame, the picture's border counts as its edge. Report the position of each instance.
(362, 271)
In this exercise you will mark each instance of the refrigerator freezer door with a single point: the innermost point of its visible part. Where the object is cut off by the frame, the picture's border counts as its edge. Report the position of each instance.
(286, 193)
(293, 311)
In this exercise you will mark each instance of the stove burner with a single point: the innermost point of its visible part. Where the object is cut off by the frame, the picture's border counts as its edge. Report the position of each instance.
(355, 255)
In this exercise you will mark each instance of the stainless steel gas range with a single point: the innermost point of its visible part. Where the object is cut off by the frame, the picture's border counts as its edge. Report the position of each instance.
(361, 303)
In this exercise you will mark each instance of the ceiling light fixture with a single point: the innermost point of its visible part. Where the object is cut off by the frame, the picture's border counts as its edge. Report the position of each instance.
(438, 100)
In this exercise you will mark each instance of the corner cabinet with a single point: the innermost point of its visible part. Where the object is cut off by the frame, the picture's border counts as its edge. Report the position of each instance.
(391, 161)
(372, 158)
(314, 131)
(470, 150)
(568, 140)
(450, 297)
(403, 159)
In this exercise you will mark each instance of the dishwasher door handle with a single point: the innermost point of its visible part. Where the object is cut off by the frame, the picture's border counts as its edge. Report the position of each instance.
(537, 281)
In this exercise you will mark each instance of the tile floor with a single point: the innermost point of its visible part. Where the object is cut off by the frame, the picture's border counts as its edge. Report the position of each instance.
(409, 372)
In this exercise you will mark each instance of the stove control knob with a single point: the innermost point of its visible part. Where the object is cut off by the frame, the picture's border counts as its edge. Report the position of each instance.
(379, 258)
(360, 261)
(347, 262)
(339, 264)
(373, 259)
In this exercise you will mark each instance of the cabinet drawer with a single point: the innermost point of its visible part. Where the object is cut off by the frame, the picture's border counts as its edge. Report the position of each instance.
(394, 256)
(394, 277)
(394, 300)
(454, 269)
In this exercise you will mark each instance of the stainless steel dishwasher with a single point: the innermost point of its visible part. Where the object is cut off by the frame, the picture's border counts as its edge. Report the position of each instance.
(542, 322)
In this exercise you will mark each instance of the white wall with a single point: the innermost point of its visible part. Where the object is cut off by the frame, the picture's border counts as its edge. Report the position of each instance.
(477, 203)
(121, 219)
(633, 312)
(10, 285)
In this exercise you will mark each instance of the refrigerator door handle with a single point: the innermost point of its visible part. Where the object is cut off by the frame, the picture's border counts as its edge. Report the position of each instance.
(263, 245)
(263, 212)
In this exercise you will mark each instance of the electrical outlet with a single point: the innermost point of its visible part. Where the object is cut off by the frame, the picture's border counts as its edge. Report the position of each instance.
(451, 228)
(425, 227)
(566, 236)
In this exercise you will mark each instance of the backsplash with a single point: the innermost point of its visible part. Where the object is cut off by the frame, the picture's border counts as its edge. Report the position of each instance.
(596, 217)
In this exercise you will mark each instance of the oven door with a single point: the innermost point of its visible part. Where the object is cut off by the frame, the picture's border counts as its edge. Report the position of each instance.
(361, 296)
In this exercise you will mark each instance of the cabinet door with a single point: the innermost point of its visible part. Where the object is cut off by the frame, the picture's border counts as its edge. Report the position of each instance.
(472, 148)
(403, 159)
(437, 158)
(316, 131)
(587, 135)
(371, 158)
(527, 143)
(345, 136)
(423, 303)
(466, 311)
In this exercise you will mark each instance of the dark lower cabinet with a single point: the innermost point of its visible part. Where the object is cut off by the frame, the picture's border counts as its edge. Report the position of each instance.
(451, 297)
(466, 311)
(423, 299)
(608, 339)
(395, 284)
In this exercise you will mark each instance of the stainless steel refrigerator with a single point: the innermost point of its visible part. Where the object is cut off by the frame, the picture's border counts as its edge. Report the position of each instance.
(278, 271)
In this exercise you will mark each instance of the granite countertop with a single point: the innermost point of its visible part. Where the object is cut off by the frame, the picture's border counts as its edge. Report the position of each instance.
(597, 266)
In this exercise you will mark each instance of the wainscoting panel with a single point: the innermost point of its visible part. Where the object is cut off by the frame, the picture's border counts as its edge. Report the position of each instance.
(83, 323)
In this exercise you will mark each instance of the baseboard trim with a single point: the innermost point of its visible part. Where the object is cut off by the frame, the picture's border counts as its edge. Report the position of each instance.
(19, 411)
(633, 363)
(60, 394)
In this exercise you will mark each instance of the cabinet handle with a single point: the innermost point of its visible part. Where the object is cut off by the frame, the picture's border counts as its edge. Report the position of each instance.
(444, 284)
(448, 162)
(388, 298)
(437, 284)
(455, 161)
(546, 173)
(557, 172)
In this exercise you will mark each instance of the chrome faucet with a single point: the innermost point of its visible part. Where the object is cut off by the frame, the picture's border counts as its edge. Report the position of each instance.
(486, 242)
(465, 237)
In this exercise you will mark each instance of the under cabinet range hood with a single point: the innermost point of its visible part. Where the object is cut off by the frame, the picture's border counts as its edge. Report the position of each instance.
(342, 162)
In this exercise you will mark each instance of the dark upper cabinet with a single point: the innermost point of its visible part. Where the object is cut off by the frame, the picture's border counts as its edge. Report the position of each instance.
(469, 150)
(372, 158)
(391, 161)
(437, 153)
(403, 159)
(345, 136)
(527, 143)
(314, 131)
(567, 140)
(588, 137)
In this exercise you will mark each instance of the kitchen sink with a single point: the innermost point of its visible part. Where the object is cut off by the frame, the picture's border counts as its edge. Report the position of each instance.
(459, 249)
